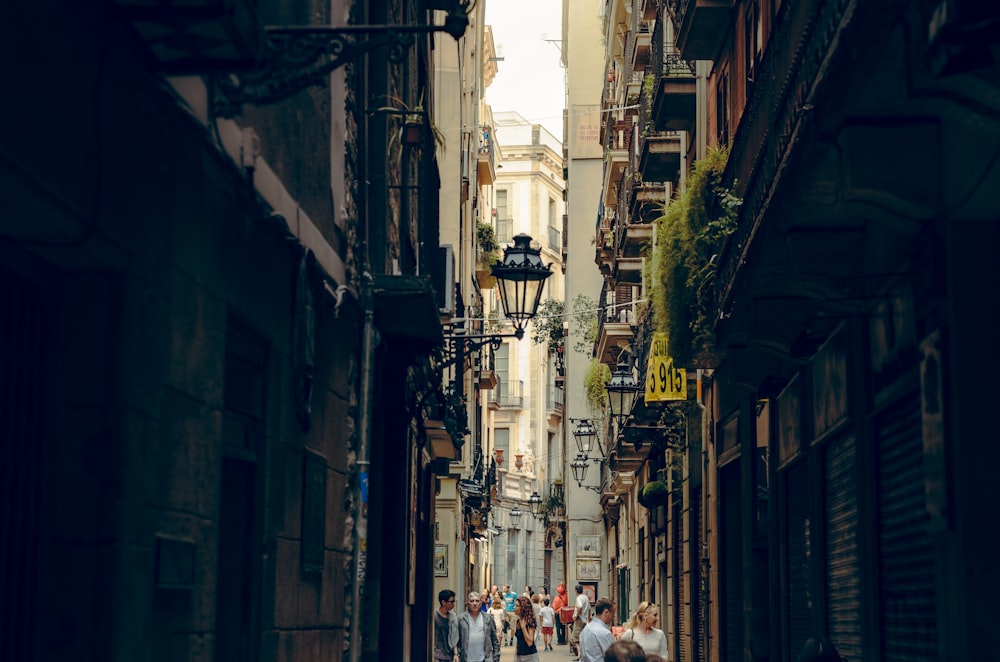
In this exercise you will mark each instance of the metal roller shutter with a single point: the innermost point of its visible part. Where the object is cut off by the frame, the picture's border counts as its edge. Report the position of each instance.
(843, 588)
(906, 576)
(680, 606)
(731, 556)
(24, 346)
(798, 559)
(699, 589)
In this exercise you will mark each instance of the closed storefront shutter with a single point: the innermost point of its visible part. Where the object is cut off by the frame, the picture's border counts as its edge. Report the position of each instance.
(843, 590)
(732, 564)
(798, 558)
(907, 604)
(699, 584)
(24, 346)
(680, 606)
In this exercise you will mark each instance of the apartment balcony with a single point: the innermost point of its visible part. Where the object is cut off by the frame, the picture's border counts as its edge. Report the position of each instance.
(641, 42)
(660, 159)
(508, 395)
(484, 269)
(674, 99)
(646, 205)
(605, 255)
(614, 331)
(554, 403)
(486, 379)
(627, 458)
(628, 269)
(702, 25)
(618, 137)
(486, 168)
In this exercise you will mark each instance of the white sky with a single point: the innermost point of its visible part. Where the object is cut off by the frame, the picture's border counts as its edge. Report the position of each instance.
(529, 79)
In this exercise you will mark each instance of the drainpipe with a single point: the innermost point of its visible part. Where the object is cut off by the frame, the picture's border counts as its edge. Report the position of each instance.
(369, 340)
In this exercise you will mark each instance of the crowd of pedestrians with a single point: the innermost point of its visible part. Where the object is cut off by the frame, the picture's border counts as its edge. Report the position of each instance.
(493, 619)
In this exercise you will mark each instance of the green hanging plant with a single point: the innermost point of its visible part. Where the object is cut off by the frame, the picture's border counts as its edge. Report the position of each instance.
(655, 493)
(595, 387)
(689, 236)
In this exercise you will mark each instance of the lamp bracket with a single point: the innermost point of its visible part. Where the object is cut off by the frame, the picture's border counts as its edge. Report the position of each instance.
(462, 346)
(297, 57)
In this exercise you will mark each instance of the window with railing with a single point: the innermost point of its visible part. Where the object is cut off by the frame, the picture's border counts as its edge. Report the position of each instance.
(510, 394)
(502, 208)
(555, 239)
(554, 398)
(505, 230)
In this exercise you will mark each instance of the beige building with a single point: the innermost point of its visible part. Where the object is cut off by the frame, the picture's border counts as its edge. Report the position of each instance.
(525, 408)
(582, 31)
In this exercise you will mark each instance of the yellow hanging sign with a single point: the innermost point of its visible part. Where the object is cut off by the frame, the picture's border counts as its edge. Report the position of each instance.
(664, 382)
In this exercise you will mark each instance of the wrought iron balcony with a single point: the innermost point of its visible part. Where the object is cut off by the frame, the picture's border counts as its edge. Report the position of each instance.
(674, 101)
(701, 26)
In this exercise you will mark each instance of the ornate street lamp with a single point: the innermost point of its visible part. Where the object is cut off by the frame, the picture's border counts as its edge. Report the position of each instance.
(579, 469)
(585, 433)
(521, 276)
(515, 516)
(537, 506)
(622, 392)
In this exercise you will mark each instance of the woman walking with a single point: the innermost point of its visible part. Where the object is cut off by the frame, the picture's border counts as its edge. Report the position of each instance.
(527, 627)
(642, 629)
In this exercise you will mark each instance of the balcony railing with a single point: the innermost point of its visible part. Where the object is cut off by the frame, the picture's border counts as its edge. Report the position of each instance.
(554, 398)
(505, 230)
(510, 395)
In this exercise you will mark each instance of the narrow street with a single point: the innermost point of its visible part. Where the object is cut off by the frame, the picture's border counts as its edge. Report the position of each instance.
(306, 321)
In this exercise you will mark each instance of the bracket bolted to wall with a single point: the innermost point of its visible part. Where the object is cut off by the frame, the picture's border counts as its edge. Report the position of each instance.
(298, 57)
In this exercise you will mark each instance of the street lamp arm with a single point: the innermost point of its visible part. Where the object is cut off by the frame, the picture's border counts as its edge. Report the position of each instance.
(462, 346)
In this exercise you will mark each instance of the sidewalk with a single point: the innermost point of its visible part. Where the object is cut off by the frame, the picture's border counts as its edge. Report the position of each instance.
(557, 654)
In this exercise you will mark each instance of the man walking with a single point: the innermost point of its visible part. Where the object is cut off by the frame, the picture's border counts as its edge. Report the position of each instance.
(509, 600)
(477, 634)
(597, 637)
(581, 615)
(445, 627)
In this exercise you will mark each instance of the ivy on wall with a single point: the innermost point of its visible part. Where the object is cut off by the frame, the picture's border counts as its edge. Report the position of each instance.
(689, 236)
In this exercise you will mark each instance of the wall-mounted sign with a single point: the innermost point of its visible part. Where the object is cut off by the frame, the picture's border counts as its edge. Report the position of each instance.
(664, 381)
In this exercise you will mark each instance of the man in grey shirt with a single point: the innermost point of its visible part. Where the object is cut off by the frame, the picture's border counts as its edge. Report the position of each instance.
(445, 627)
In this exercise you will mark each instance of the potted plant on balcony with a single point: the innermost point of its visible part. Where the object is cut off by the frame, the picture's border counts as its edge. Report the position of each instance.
(487, 255)
(654, 494)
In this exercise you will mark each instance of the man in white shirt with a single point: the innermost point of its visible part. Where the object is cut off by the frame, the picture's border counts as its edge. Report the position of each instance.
(581, 615)
(596, 637)
(477, 634)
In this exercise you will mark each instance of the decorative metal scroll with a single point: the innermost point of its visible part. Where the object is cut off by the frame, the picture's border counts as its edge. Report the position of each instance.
(296, 58)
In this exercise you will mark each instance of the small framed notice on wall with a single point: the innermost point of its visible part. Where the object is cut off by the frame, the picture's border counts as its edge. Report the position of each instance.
(440, 560)
(588, 569)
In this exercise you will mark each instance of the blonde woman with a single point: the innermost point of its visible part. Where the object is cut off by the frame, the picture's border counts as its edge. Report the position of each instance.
(642, 629)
